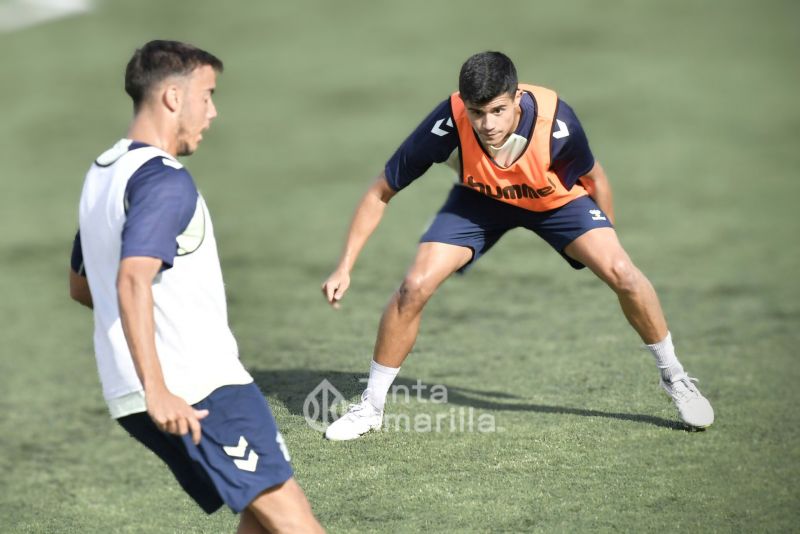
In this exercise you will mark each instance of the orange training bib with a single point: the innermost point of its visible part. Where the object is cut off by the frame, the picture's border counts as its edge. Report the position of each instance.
(528, 182)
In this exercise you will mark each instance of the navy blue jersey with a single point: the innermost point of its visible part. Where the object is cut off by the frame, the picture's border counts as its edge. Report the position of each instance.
(76, 259)
(435, 139)
(160, 201)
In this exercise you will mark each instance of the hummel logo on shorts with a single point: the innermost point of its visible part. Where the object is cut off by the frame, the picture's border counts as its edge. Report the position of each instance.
(597, 215)
(237, 453)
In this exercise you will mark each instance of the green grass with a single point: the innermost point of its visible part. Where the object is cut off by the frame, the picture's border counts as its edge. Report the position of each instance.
(692, 108)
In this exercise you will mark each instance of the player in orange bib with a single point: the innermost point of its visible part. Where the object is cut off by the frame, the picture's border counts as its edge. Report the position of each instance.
(522, 160)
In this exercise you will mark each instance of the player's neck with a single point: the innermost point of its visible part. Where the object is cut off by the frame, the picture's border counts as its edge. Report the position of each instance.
(154, 131)
(514, 126)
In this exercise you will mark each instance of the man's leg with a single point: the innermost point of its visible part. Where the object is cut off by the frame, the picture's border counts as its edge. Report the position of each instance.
(248, 523)
(399, 326)
(600, 250)
(283, 508)
(397, 332)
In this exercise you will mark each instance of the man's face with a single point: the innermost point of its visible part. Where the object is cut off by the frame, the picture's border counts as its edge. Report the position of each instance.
(495, 121)
(197, 110)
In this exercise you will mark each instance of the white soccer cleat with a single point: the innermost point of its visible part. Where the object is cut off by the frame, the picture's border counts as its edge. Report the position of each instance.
(359, 419)
(694, 408)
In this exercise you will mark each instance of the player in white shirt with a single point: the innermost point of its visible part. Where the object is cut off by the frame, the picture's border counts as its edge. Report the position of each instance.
(145, 259)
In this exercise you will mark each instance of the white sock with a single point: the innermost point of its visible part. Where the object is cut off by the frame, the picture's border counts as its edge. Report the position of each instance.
(380, 380)
(666, 361)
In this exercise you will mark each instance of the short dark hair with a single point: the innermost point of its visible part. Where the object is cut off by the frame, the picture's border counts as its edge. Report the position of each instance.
(158, 60)
(486, 76)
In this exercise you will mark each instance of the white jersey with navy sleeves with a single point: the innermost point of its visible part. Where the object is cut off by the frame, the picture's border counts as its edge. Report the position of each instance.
(195, 346)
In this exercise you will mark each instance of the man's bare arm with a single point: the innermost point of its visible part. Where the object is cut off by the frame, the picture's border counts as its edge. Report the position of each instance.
(134, 290)
(368, 214)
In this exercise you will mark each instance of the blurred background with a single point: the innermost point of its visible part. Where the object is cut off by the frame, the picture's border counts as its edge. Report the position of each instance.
(690, 105)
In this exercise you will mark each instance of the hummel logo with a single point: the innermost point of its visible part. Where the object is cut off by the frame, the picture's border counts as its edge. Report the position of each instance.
(440, 131)
(562, 130)
(171, 163)
(597, 215)
(238, 451)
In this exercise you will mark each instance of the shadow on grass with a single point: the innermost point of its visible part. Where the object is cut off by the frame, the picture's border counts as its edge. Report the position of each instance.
(292, 386)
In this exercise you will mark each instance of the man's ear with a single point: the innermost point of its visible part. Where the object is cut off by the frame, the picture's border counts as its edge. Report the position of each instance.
(518, 96)
(171, 97)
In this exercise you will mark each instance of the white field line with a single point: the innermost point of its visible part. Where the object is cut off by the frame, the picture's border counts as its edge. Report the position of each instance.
(19, 14)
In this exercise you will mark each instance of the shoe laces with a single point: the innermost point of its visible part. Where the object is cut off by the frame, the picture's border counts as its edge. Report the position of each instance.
(683, 387)
(356, 410)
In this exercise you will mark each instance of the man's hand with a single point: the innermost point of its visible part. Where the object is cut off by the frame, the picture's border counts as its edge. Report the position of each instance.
(366, 218)
(172, 414)
(135, 294)
(334, 288)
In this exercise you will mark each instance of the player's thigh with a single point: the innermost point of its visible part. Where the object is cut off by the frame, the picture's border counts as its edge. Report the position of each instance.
(469, 221)
(600, 250)
(195, 482)
(284, 508)
(241, 449)
(434, 263)
(249, 523)
(562, 227)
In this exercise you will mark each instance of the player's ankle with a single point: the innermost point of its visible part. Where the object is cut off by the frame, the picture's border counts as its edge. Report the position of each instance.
(380, 380)
(376, 401)
(672, 372)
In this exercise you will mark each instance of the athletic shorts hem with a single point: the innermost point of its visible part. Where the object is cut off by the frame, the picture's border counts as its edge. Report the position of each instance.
(250, 496)
(471, 219)
(472, 258)
(240, 455)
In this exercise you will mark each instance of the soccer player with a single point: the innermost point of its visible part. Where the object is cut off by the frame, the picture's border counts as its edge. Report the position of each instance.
(522, 160)
(145, 259)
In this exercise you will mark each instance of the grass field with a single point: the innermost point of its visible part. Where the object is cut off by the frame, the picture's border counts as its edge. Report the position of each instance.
(692, 108)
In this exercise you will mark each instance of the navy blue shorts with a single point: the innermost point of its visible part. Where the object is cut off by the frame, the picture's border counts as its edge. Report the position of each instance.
(241, 453)
(470, 219)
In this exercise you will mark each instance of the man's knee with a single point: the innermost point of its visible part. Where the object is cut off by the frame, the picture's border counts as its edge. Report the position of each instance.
(623, 276)
(284, 508)
(413, 293)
